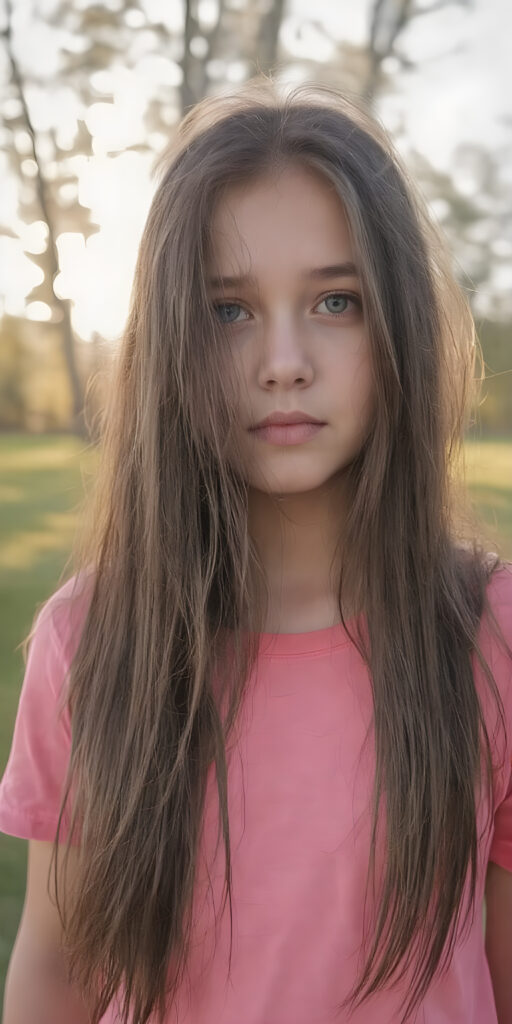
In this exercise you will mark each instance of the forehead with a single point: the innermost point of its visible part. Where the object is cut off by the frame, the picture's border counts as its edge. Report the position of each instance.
(290, 217)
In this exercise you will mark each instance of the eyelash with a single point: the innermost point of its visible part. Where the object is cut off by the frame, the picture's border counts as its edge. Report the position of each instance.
(331, 295)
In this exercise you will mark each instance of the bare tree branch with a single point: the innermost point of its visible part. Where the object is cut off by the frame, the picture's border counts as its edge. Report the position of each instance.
(387, 21)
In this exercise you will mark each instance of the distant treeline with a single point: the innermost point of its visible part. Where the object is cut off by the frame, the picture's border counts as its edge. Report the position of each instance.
(494, 414)
(35, 394)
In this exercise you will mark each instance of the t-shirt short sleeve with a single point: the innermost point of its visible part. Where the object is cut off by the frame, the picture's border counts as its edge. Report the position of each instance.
(32, 784)
(501, 662)
(501, 847)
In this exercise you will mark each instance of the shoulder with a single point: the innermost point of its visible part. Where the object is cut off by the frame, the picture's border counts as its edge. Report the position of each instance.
(31, 787)
(495, 633)
(62, 616)
(500, 582)
(498, 608)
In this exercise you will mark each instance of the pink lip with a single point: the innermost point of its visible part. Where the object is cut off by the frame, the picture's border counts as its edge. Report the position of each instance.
(287, 433)
(285, 418)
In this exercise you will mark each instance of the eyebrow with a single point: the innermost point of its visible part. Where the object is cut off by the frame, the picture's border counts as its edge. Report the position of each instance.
(317, 273)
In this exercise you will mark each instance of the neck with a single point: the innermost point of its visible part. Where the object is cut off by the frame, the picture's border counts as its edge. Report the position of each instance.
(297, 538)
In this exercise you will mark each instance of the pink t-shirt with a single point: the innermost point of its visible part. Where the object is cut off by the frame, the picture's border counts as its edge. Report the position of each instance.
(300, 782)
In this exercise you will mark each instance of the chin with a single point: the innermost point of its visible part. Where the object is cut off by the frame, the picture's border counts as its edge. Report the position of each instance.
(287, 484)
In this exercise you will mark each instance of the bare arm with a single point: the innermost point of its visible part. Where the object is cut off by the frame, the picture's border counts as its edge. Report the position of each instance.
(36, 988)
(498, 938)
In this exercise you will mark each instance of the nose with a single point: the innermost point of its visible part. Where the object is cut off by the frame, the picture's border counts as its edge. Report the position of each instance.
(284, 358)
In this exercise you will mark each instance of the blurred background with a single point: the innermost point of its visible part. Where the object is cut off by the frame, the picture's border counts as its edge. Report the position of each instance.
(89, 95)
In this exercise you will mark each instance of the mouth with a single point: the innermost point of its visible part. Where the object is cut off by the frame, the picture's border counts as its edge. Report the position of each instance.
(287, 433)
(291, 418)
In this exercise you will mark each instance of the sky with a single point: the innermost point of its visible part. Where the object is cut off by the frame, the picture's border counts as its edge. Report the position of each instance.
(458, 92)
(461, 85)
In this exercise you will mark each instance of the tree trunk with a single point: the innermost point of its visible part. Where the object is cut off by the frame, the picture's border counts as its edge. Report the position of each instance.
(268, 47)
(62, 305)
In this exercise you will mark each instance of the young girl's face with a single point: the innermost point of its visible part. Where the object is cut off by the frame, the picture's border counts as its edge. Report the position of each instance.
(292, 306)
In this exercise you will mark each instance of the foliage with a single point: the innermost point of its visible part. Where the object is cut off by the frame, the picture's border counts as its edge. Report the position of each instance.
(34, 384)
(495, 410)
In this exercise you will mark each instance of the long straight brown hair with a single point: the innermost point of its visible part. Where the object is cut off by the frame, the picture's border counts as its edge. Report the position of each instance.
(178, 596)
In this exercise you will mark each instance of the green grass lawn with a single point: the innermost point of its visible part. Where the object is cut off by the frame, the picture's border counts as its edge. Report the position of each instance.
(40, 485)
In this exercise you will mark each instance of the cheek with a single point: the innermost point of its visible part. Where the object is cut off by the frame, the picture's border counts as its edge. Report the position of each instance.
(239, 391)
(365, 388)
(355, 382)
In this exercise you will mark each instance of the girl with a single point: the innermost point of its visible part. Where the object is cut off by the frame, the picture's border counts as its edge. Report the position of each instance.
(263, 748)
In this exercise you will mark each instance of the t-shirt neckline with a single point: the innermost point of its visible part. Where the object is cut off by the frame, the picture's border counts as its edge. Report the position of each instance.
(316, 641)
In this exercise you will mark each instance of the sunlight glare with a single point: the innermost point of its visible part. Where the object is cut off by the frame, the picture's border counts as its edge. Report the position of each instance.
(38, 311)
(34, 236)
